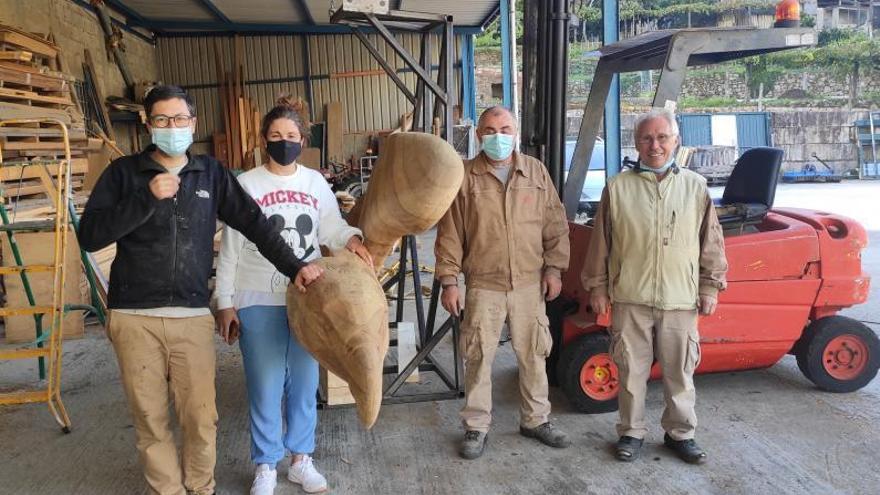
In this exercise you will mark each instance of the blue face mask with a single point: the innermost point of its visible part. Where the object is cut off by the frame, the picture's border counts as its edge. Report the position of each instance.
(498, 146)
(173, 141)
(663, 169)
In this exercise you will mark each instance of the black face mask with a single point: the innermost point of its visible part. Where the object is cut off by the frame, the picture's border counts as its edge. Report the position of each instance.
(284, 152)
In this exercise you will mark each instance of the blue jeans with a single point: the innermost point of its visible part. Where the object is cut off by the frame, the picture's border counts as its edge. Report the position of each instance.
(278, 371)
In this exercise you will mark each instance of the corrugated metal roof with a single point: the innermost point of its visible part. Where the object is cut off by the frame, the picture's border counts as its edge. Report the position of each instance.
(465, 12)
(341, 70)
(274, 11)
(169, 9)
(175, 16)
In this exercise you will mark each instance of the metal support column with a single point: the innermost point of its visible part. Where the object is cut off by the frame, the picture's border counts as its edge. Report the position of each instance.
(468, 78)
(610, 26)
(307, 63)
(507, 68)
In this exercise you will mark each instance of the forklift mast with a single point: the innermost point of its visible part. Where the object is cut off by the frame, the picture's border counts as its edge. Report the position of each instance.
(669, 51)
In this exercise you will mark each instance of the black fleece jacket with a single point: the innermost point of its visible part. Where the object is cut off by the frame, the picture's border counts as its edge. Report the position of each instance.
(164, 249)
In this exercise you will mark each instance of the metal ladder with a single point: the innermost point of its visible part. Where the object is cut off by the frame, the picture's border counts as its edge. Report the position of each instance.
(47, 346)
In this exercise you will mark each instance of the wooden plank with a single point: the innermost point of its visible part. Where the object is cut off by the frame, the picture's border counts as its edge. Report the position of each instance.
(38, 248)
(29, 79)
(33, 188)
(334, 389)
(41, 70)
(27, 41)
(30, 95)
(18, 55)
(406, 348)
(73, 133)
(83, 145)
(12, 173)
(242, 126)
(310, 157)
(224, 103)
(258, 143)
(90, 67)
(9, 111)
(335, 128)
(97, 163)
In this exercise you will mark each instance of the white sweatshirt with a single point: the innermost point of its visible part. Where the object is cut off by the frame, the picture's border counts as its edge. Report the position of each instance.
(303, 210)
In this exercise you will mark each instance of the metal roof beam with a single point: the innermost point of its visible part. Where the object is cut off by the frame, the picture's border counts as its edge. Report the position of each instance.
(216, 12)
(167, 28)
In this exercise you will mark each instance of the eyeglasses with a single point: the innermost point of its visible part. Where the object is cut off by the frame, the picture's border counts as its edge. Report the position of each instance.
(660, 138)
(165, 120)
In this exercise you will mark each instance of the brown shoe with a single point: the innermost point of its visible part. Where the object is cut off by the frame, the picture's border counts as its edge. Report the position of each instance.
(473, 445)
(547, 434)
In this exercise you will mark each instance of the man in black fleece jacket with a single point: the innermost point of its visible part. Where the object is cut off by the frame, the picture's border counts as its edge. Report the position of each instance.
(160, 207)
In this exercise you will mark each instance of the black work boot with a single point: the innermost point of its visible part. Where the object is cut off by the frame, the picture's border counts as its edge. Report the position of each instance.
(687, 450)
(547, 434)
(473, 445)
(627, 448)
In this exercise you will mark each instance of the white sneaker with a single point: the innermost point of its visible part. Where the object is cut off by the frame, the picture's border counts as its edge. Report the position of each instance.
(304, 473)
(265, 479)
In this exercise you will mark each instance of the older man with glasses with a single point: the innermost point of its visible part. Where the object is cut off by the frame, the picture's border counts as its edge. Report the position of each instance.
(657, 253)
(160, 207)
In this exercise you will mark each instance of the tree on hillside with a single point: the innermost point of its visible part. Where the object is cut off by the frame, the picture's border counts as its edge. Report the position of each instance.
(850, 58)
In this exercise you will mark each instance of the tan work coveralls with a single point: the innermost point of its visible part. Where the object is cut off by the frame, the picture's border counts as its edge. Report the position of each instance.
(504, 238)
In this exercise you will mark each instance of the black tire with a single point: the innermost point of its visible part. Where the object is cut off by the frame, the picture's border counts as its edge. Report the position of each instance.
(568, 372)
(810, 353)
(557, 310)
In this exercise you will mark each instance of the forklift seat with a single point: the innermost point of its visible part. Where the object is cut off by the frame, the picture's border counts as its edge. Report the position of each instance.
(751, 188)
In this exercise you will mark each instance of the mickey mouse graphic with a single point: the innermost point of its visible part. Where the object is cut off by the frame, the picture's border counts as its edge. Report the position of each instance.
(298, 237)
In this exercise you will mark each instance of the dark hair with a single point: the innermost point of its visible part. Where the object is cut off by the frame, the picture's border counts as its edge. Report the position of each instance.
(168, 92)
(288, 107)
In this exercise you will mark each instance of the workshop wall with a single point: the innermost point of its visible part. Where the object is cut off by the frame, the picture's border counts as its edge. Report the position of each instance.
(76, 29)
(341, 69)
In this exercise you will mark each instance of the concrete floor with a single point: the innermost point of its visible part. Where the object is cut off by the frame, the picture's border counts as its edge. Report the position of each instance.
(768, 431)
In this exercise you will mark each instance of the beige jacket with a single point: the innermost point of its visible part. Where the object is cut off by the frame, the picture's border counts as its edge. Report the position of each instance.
(503, 236)
(656, 243)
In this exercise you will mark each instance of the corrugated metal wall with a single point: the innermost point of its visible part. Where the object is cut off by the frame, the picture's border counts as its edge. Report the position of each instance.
(695, 129)
(752, 129)
(275, 65)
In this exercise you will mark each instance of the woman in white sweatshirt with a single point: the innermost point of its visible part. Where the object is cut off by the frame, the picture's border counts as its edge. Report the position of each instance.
(250, 296)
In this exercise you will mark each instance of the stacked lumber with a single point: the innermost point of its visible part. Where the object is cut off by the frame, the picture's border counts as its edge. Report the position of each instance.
(238, 147)
(32, 87)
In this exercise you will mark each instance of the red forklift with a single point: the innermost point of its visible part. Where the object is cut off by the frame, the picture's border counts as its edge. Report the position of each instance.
(791, 270)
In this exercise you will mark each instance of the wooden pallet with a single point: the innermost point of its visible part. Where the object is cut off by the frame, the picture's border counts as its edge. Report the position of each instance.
(27, 41)
(13, 191)
(35, 99)
(16, 55)
(38, 135)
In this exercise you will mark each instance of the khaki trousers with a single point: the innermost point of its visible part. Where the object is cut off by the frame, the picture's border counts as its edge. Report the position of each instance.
(485, 314)
(639, 334)
(161, 359)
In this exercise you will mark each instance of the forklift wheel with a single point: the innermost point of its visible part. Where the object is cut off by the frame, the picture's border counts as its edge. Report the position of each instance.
(588, 375)
(838, 354)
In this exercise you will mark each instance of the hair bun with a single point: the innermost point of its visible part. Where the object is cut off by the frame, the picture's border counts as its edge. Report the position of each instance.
(296, 104)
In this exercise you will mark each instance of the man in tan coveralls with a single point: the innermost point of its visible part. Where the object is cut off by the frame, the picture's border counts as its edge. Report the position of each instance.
(506, 231)
(657, 253)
